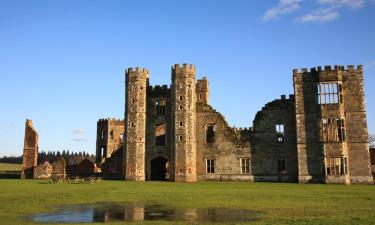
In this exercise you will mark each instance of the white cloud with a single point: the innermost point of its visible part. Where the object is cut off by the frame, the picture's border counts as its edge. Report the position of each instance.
(320, 15)
(78, 131)
(321, 11)
(353, 4)
(284, 7)
(79, 135)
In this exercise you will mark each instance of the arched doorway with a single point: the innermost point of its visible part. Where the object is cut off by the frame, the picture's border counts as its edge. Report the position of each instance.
(160, 169)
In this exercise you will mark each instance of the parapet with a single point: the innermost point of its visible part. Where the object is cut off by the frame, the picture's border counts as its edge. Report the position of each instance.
(185, 66)
(137, 71)
(328, 68)
(158, 91)
(106, 120)
(183, 70)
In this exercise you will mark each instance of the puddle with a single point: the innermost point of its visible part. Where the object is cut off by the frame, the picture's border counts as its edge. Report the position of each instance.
(142, 212)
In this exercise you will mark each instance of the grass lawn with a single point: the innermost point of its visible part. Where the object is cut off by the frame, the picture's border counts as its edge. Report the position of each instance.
(277, 203)
(9, 166)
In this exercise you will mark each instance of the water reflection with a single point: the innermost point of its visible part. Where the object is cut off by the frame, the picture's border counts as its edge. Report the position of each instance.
(138, 212)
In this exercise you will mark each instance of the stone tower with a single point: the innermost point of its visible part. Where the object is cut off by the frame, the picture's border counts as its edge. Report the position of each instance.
(183, 122)
(30, 150)
(203, 92)
(109, 134)
(135, 121)
(331, 125)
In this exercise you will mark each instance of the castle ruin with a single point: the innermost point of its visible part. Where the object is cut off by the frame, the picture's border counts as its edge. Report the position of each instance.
(318, 134)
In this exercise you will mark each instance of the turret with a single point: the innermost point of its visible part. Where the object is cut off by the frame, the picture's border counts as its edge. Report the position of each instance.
(203, 91)
(183, 122)
(135, 121)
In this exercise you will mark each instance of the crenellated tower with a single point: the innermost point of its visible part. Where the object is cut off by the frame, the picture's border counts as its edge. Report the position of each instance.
(135, 121)
(184, 122)
(331, 125)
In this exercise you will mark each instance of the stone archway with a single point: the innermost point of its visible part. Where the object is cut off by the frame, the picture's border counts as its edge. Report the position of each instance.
(160, 169)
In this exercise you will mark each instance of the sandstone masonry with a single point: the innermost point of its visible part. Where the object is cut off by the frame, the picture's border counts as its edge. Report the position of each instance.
(318, 134)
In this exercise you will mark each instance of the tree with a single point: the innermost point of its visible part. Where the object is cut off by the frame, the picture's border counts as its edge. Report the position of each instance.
(371, 140)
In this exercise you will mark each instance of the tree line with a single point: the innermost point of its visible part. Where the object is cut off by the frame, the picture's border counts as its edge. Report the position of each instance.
(52, 156)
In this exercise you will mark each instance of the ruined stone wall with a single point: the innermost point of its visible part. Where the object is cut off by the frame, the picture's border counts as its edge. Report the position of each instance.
(270, 148)
(43, 171)
(184, 121)
(108, 138)
(318, 141)
(30, 150)
(159, 126)
(59, 168)
(226, 150)
(135, 113)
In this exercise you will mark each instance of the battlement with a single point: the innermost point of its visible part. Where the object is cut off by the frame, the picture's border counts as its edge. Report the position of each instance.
(159, 88)
(137, 70)
(112, 120)
(158, 91)
(185, 66)
(328, 68)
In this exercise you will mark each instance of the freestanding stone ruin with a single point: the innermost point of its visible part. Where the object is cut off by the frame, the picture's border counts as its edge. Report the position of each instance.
(30, 150)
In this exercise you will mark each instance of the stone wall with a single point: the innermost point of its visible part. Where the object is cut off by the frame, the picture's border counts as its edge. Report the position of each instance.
(226, 150)
(109, 138)
(271, 150)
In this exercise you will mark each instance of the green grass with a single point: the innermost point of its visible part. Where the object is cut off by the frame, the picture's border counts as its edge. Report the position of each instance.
(277, 203)
(9, 166)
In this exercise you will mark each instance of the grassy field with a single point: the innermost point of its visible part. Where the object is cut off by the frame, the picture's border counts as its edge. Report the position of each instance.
(277, 203)
(9, 166)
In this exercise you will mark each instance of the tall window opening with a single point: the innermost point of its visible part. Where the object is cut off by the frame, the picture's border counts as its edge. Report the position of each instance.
(328, 93)
(332, 130)
(280, 133)
(336, 165)
(210, 165)
(281, 166)
(160, 131)
(102, 134)
(210, 133)
(103, 152)
(245, 165)
(160, 105)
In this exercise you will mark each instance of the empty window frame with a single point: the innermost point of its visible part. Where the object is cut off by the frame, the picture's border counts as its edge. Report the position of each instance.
(280, 133)
(336, 165)
(102, 134)
(245, 165)
(210, 133)
(328, 93)
(160, 105)
(332, 130)
(160, 134)
(103, 152)
(281, 165)
(210, 165)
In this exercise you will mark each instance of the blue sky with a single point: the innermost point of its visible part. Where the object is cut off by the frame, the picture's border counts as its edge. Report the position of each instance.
(62, 62)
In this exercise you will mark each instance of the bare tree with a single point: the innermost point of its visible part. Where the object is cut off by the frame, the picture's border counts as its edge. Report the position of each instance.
(371, 140)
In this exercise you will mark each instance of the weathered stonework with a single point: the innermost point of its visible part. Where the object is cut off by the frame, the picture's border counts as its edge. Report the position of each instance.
(109, 138)
(30, 150)
(135, 113)
(319, 134)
